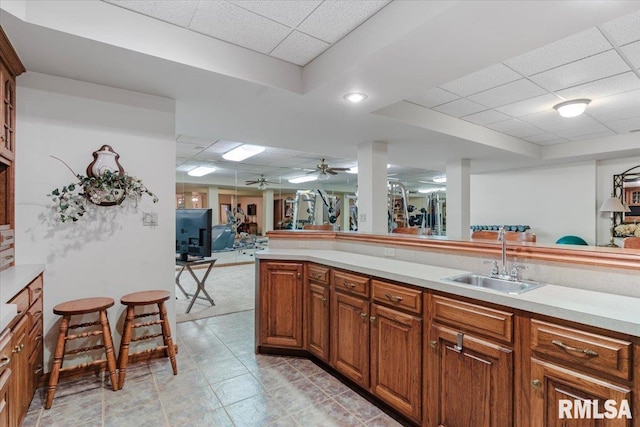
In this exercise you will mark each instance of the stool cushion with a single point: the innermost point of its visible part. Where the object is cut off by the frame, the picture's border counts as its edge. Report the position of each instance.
(145, 297)
(84, 305)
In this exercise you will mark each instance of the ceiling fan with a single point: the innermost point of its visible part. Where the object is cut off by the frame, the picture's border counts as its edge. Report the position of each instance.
(262, 182)
(326, 170)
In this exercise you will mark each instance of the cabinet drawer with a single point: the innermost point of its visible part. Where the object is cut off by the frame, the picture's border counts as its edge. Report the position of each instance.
(6, 237)
(22, 301)
(35, 289)
(318, 273)
(476, 318)
(580, 348)
(6, 257)
(353, 283)
(5, 350)
(397, 296)
(35, 313)
(35, 338)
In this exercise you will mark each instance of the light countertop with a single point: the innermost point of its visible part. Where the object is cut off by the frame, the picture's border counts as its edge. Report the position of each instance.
(609, 311)
(12, 281)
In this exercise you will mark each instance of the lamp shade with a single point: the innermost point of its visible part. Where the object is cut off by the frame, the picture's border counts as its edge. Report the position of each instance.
(612, 204)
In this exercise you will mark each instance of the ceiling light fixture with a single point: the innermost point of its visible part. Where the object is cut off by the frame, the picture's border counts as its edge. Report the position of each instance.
(430, 190)
(355, 97)
(440, 179)
(354, 169)
(301, 179)
(572, 108)
(201, 171)
(242, 152)
(323, 176)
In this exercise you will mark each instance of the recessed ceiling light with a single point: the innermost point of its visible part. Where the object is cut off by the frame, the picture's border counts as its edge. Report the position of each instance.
(305, 178)
(242, 152)
(572, 108)
(355, 97)
(201, 171)
(440, 179)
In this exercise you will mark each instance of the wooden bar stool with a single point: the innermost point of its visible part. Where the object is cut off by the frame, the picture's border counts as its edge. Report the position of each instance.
(72, 308)
(141, 299)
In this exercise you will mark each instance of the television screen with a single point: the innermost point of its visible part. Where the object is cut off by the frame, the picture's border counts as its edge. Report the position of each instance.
(193, 233)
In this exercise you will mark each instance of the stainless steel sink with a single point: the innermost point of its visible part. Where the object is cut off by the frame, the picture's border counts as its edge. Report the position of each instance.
(500, 285)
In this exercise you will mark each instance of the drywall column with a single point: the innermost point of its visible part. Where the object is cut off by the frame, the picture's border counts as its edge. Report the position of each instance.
(372, 187)
(214, 204)
(458, 199)
(267, 211)
(344, 213)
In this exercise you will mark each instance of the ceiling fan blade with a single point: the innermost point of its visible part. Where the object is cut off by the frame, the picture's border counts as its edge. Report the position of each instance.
(332, 172)
(341, 169)
(251, 182)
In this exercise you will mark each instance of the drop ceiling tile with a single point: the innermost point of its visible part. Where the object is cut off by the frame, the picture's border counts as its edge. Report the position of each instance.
(632, 51)
(509, 93)
(551, 121)
(486, 117)
(460, 107)
(233, 24)
(515, 128)
(545, 137)
(488, 78)
(299, 49)
(222, 146)
(625, 125)
(530, 106)
(177, 12)
(618, 114)
(555, 142)
(625, 29)
(572, 48)
(433, 97)
(581, 130)
(621, 101)
(289, 13)
(624, 82)
(592, 136)
(333, 20)
(595, 67)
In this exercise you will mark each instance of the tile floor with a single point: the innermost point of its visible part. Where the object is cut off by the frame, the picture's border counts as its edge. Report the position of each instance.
(221, 382)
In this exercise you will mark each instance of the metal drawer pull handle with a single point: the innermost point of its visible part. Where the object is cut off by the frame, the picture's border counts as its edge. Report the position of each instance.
(20, 312)
(433, 344)
(586, 351)
(393, 297)
(324, 300)
(372, 319)
(348, 284)
(36, 290)
(8, 238)
(316, 275)
(38, 313)
(4, 361)
(8, 258)
(536, 383)
(298, 276)
(363, 315)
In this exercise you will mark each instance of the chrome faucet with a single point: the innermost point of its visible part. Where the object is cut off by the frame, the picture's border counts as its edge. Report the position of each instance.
(503, 238)
(503, 272)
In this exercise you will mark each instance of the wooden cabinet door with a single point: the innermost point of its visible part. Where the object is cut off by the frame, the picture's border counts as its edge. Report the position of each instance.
(281, 302)
(20, 393)
(318, 321)
(396, 359)
(350, 337)
(468, 386)
(550, 383)
(8, 121)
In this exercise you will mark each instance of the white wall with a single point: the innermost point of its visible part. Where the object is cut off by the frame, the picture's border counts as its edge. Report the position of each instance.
(554, 200)
(110, 253)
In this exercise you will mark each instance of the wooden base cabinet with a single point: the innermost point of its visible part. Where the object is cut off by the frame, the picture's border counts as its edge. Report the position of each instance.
(20, 375)
(350, 337)
(557, 391)
(396, 359)
(281, 305)
(470, 381)
(318, 321)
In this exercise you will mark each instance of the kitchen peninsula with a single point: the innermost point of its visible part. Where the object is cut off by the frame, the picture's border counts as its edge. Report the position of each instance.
(375, 311)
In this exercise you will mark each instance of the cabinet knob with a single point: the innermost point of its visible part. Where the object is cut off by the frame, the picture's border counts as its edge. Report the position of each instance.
(372, 319)
(324, 300)
(363, 315)
(433, 344)
(536, 383)
(298, 276)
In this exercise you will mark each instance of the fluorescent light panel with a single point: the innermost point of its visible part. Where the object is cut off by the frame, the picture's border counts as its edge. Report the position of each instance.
(201, 171)
(242, 152)
(301, 179)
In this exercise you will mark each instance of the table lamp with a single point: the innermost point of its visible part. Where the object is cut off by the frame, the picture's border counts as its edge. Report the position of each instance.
(612, 205)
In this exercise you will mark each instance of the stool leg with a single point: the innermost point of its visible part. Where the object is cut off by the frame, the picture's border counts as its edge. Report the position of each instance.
(166, 336)
(108, 348)
(57, 361)
(123, 355)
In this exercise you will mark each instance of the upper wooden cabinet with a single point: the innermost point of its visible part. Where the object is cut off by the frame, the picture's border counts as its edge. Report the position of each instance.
(10, 68)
